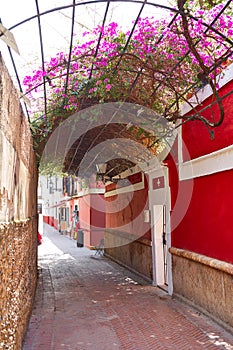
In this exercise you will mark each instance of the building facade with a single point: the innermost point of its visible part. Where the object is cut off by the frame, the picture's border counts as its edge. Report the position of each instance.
(170, 220)
(173, 224)
(73, 207)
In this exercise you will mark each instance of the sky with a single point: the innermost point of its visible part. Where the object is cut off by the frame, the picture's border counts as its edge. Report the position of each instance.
(56, 26)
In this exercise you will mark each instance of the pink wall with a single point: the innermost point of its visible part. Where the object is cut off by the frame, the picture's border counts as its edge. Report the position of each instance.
(207, 226)
(84, 211)
(84, 218)
(46, 219)
(56, 224)
(97, 219)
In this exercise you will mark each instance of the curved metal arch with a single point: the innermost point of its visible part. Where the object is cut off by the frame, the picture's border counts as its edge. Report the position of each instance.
(187, 53)
(129, 1)
(143, 3)
(71, 45)
(209, 27)
(42, 54)
(19, 82)
(88, 3)
(100, 37)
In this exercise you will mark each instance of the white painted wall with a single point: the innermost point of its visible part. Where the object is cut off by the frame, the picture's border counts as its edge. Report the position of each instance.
(50, 194)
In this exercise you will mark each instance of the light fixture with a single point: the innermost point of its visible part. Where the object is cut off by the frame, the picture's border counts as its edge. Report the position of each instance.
(101, 174)
(101, 168)
(8, 38)
(51, 186)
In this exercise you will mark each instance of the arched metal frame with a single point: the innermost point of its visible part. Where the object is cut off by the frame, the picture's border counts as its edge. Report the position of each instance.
(143, 3)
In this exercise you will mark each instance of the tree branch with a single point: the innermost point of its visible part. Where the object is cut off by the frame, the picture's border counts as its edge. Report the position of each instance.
(204, 69)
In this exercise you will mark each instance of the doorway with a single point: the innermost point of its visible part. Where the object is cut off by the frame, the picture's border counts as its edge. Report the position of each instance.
(160, 206)
(159, 246)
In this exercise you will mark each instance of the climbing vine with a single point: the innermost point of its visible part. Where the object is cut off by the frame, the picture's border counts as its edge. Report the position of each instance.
(158, 66)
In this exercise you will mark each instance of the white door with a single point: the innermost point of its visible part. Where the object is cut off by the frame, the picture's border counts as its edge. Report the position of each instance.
(160, 206)
(159, 246)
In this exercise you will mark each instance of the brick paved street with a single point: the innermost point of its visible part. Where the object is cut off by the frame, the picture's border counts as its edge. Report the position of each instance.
(86, 302)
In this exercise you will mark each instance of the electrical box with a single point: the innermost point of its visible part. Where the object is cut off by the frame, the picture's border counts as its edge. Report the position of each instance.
(146, 215)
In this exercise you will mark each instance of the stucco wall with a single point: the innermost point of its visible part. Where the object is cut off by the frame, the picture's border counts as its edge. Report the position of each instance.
(197, 136)
(125, 209)
(206, 227)
(92, 218)
(127, 238)
(202, 242)
(18, 217)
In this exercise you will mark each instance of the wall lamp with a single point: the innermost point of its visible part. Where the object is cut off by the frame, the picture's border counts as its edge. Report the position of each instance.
(101, 174)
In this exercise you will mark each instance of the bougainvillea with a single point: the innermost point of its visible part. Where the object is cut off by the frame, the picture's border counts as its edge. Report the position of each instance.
(157, 67)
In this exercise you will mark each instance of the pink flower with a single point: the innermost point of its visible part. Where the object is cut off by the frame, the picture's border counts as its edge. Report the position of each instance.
(108, 87)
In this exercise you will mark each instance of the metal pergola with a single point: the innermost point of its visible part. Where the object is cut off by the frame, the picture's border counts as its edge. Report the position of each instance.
(107, 10)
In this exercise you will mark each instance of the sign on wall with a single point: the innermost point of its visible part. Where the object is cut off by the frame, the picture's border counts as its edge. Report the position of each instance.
(158, 182)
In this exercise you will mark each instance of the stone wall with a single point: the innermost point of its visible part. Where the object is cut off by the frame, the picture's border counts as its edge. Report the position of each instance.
(135, 254)
(205, 282)
(18, 217)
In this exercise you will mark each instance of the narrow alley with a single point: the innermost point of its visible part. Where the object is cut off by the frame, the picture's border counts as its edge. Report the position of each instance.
(85, 301)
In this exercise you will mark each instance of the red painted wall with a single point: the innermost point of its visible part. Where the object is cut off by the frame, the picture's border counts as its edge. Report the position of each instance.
(92, 218)
(97, 218)
(49, 220)
(46, 219)
(85, 217)
(98, 211)
(125, 212)
(207, 226)
(196, 135)
(56, 224)
(171, 162)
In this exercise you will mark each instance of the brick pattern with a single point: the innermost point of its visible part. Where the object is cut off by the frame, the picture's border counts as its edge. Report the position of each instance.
(89, 302)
